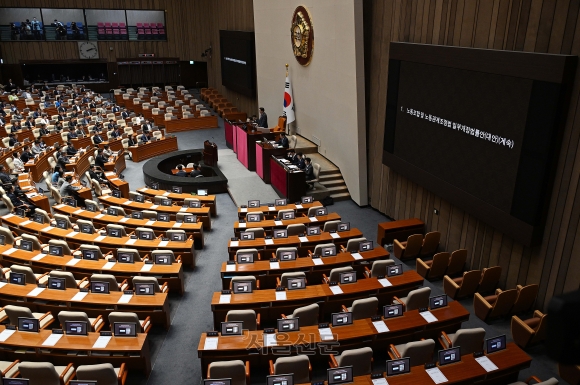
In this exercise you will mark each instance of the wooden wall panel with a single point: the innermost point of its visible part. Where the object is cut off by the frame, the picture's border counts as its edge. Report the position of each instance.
(522, 25)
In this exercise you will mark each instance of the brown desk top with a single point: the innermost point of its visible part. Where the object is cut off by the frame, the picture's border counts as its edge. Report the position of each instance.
(268, 296)
(283, 223)
(401, 223)
(137, 206)
(178, 197)
(274, 210)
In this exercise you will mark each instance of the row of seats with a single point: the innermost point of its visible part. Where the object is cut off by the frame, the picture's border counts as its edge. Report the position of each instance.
(45, 373)
(417, 246)
(505, 302)
(442, 264)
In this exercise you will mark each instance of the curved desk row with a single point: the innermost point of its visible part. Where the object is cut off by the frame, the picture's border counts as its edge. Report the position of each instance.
(272, 211)
(270, 224)
(207, 200)
(151, 149)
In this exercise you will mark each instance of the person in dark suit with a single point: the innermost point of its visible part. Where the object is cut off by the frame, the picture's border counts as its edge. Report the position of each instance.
(115, 108)
(146, 127)
(71, 134)
(13, 141)
(26, 154)
(111, 125)
(291, 156)
(196, 171)
(43, 130)
(300, 161)
(29, 123)
(18, 203)
(308, 170)
(97, 139)
(124, 114)
(70, 150)
(132, 141)
(144, 138)
(283, 141)
(180, 171)
(263, 119)
(97, 175)
(101, 159)
(115, 133)
(62, 160)
(68, 190)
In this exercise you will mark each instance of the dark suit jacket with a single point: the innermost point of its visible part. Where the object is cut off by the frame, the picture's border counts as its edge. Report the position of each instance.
(309, 172)
(195, 173)
(97, 139)
(180, 173)
(100, 161)
(263, 120)
(283, 142)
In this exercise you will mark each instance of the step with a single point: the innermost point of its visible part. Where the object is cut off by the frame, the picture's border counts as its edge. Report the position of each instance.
(337, 189)
(332, 183)
(340, 197)
(330, 175)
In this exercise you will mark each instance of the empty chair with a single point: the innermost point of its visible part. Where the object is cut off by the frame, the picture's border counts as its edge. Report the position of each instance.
(408, 249)
(145, 230)
(36, 245)
(95, 249)
(352, 246)
(334, 275)
(119, 228)
(434, 268)
(261, 215)
(169, 253)
(298, 365)
(254, 252)
(45, 373)
(281, 250)
(124, 316)
(308, 315)
(62, 217)
(187, 201)
(296, 229)
(526, 298)
(246, 278)
(363, 308)
(69, 279)
(551, 381)
(361, 360)
(312, 210)
(236, 370)
(489, 279)
(9, 237)
(248, 317)
(430, 244)
(379, 268)
(60, 243)
(95, 324)
(104, 374)
(470, 340)
(29, 276)
(44, 214)
(281, 213)
(158, 288)
(569, 373)
(419, 352)
(150, 214)
(8, 369)
(113, 284)
(119, 210)
(416, 299)
(258, 232)
(456, 262)
(283, 280)
(318, 248)
(15, 312)
(133, 194)
(462, 286)
(494, 306)
(529, 332)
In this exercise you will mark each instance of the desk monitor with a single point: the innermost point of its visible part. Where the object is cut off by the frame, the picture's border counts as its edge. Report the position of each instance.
(347, 277)
(154, 186)
(307, 199)
(99, 287)
(139, 198)
(321, 211)
(56, 250)
(398, 366)
(190, 218)
(2, 240)
(28, 324)
(254, 203)
(289, 255)
(340, 375)
(38, 218)
(288, 215)
(437, 301)
(61, 224)
(15, 381)
(163, 217)
(253, 218)
(288, 325)
(245, 258)
(449, 356)
(112, 211)
(165, 202)
(232, 328)
(115, 233)
(280, 202)
(495, 344)
(26, 245)
(70, 202)
(282, 233)
(247, 235)
(145, 288)
(296, 283)
(76, 328)
(391, 311)
(17, 278)
(394, 270)
(177, 237)
(162, 259)
(281, 379)
(137, 214)
(90, 255)
(341, 319)
(176, 189)
(41, 191)
(242, 287)
(124, 329)
(125, 258)
(195, 204)
(313, 230)
(202, 192)
(90, 207)
(56, 283)
(21, 212)
(117, 193)
(222, 381)
(328, 251)
(343, 226)
(365, 246)
(87, 228)
(82, 382)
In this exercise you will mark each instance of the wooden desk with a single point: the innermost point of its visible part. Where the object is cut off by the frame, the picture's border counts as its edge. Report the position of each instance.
(306, 244)
(270, 224)
(46, 232)
(411, 326)
(133, 351)
(37, 166)
(116, 162)
(118, 183)
(81, 163)
(29, 186)
(160, 228)
(178, 125)
(287, 184)
(389, 231)
(264, 151)
(267, 276)
(151, 149)
(272, 212)
(81, 142)
(130, 206)
(207, 200)
(172, 274)
(264, 301)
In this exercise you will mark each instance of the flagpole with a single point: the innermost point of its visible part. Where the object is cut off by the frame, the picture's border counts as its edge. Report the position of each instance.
(288, 124)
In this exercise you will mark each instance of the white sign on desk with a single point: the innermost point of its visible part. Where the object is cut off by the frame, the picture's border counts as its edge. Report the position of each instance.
(38, 257)
(72, 234)
(211, 343)
(125, 298)
(280, 296)
(147, 267)
(2, 284)
(142, 189)
(270, 339)
(131, 241)
(244, 210)
(102, 342)
(428, 316)
(234, 243)
(274, 265)
(225, 298)
(336, 290)
(242, 225)
(163, 243)
(52, 339)
(36, 292)
(230, 267)
(317, 261)
(278, 223)
(177, 224)
(25, 223)
(166, 193)
(299, 206)
(325, 334)
(436, 375)
(9, 251)
(100, 238)
(6, 334)
(271, 208)
(47, 228)
(380, 326)
(108, 265)
(11, 215)
(153, 207)
(124, 219)
(73, 262)
(313, 219)
(269, 241)
(385, 282)
(149, 223)
(486, 363)
(303, 239)
(79, 296)
(335, 235)
(99, 216)
(356, 256)
(78, 211)
(182, 209)
(380, 381)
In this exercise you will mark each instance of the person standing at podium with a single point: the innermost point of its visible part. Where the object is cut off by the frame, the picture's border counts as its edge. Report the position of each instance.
(263, 119)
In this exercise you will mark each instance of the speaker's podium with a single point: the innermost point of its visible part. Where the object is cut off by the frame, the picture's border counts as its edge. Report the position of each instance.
(287, 180)
(210, 154)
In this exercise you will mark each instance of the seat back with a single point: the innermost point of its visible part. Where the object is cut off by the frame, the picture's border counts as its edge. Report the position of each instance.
(153, 280)
(379, 268)
(526, 298)
(439, 265)
(123, 316)
(69, 278)
(59, 242)
(298, 365)
(8, 237)
(331, 226)
(15, 312)
(150, 214)
(246, 278)
(165, 252)
(296, 229)
(457, 262)
(316, 170)
(295, 274)
(312, 210)
(282, 212)
(258, 232)
(281, 250)
(236, 370)
(102, 373)
(254, 252)
(113, 284)
(470, 282)
(420, 352)
(260, 214)
(44, 215)
(418, 298)
(94, 248)
(308, 315)
(248, 317)
(413, 247)
(318, 248)
(27, 271)
(489, 279)
(334, 275)
(365, 308)
(430, 243)
(8, 203)
(35, 242)
(64, 218)
(360, 359)
(470, 340)
(353, 244)
(39, 373)
(504, 303)
(64, 316)
(117, 227)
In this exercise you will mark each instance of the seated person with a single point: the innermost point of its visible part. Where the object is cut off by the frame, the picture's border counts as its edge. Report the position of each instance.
(26, 154)
(4, 177)
(97, 174)
(308, 169)
(196, 171)
(13, 141)
(101, 159)
(97, 139)
(71, 134)
(17, 162)
(181, 171)
(43, 130)
(63, 159)
(71, 150)
(291, 156)
(283, 141)
(107, 151)
(144, 138)
(68, 190)
(146, 127)
(300, 161)
(29, 124)
(18, 202)
(132, 141)
(16, 127)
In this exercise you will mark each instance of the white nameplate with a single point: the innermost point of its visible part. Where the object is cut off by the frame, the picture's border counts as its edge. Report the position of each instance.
(52, 339)
(102, 342)
(380, 326)
(428, 316)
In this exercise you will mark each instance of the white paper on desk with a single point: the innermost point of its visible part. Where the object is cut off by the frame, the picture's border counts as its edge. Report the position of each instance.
(271, 208)
(299, 206)
(59, 206)
(100, 238)
(225, 298)
(356, 255)
(278, 223)
(313, 219)
(72, 234)
(335, 235)
(140, 190)
(2, 284)
(47, 228)
(108, 265)
(79, 296)
(125, 298)
(73, 262)
(177, 224)
(10, 251)
(153, 206)
(211, 343)
(303, 239)
(102, 342)
(99, 216)
(428, 316)
(31, 195)
(9, 216)
(270, 339)
(230, 267)
(127, 202)
(244, 210)
(52, 339)
(380, 326)
(149, 223)
(36, 292)
(486, 363)
(182, 209)
(147, 267)
(280, 296)
(78, 211)
(274, 265)
(166, 193)
(6, 334)
(325, 334)
(385, 282)
(163, 243)
(131, 241)
(124, 219)
(436, 375)
(242, 225)
(269, 241)
(336, 290)
(38, 257)
(380, 381)
(234, 243)
(317, 261)
(25, 223)
(109, 173)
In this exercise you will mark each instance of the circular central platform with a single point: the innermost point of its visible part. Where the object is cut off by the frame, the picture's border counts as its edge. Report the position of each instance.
(158, 170)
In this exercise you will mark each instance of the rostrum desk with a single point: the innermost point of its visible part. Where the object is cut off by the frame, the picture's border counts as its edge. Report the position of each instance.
(272, 212)
(287, 184)
(264, 151)
(269, 224)
(151, 149)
